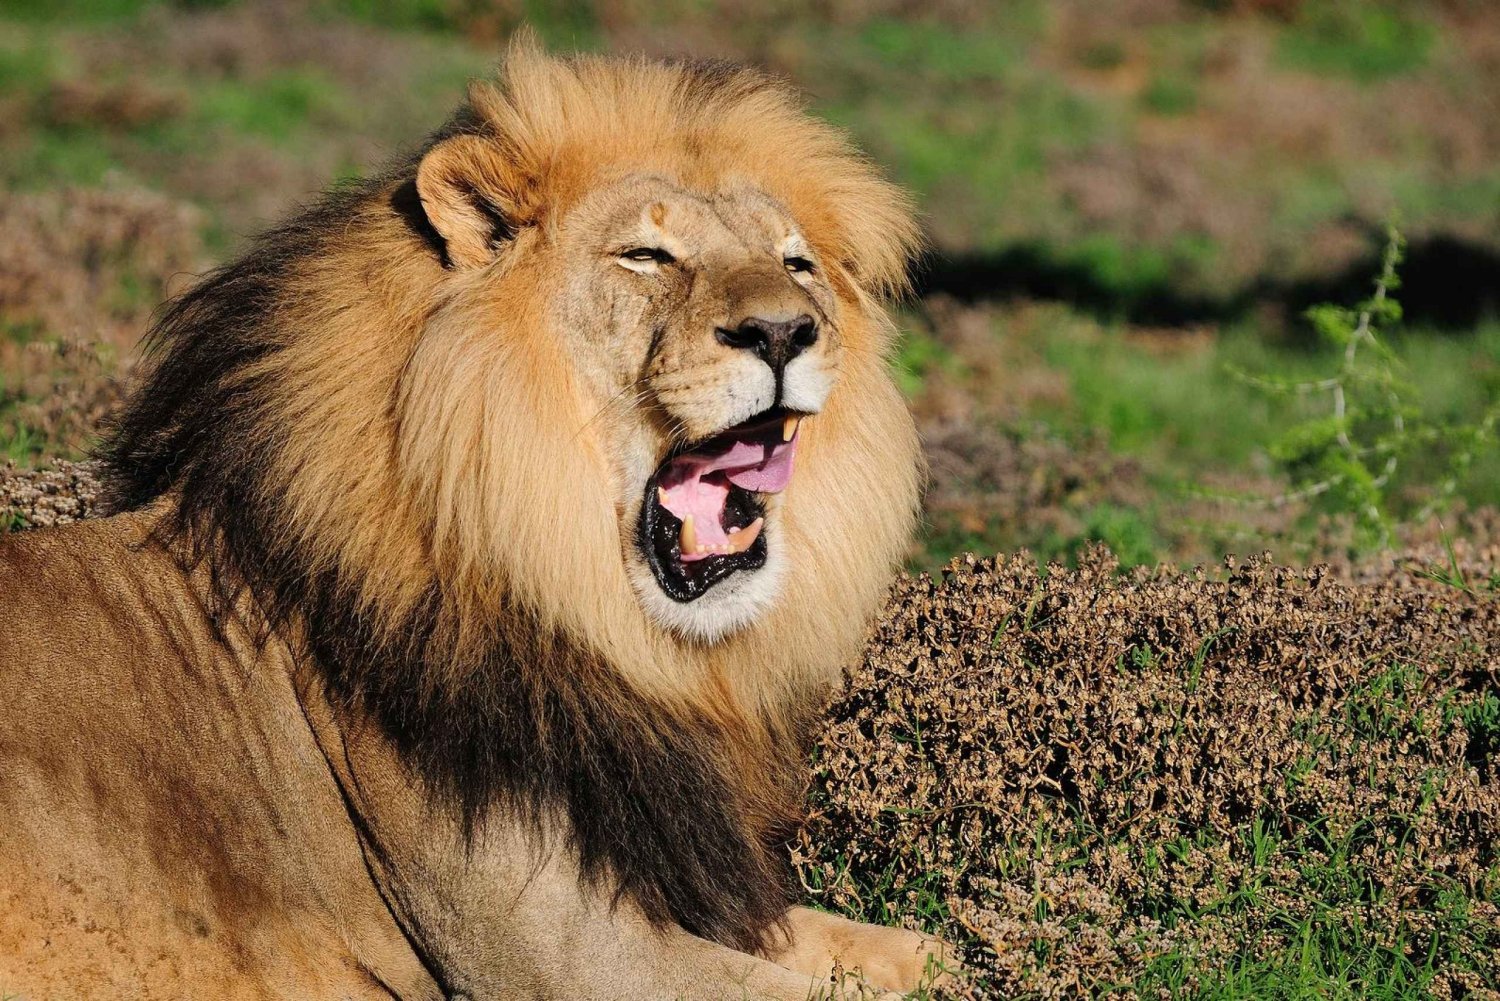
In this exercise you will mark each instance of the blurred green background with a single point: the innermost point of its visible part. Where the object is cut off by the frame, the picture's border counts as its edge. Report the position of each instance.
(1130, 204)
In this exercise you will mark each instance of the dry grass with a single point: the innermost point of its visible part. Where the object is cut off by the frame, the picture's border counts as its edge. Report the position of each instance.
(87, 264)
(81, 270)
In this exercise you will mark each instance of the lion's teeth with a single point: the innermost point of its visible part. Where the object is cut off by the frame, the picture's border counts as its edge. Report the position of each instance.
(789, 428)
(661, 496)
(743, 538)
(739, 540)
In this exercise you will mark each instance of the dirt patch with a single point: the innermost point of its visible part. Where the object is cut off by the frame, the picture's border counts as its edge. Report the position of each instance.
(1095, 779)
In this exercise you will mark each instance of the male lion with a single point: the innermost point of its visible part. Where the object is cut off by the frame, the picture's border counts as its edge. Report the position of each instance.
(464, 617)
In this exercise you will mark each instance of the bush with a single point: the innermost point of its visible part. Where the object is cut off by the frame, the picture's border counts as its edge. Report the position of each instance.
(1350, 452)
(1263, 783)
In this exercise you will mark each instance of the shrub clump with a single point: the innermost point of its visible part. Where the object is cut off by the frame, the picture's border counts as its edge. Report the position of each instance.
(1174, 783)
(39, 498)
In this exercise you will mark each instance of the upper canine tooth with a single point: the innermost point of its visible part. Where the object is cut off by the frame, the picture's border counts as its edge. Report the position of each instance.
(689, 535)
(789, 428)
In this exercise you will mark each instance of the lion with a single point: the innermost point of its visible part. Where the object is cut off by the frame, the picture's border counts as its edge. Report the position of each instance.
(484, 542)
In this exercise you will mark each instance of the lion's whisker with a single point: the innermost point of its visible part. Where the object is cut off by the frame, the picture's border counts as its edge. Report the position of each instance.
(635, 398)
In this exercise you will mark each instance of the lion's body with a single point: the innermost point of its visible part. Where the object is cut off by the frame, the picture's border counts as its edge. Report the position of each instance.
(374, 688)
(171, 829)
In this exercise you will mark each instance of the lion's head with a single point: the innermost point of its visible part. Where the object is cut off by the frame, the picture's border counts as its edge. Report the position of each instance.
(706, 260)
(583, 411)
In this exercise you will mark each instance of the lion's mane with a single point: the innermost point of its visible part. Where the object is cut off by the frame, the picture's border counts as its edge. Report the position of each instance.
(369, 497)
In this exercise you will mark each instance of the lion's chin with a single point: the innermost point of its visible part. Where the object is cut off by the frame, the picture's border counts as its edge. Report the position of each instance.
(733, 604)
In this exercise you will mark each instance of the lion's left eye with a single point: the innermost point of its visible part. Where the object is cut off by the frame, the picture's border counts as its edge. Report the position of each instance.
(645, 255)
(798, 265)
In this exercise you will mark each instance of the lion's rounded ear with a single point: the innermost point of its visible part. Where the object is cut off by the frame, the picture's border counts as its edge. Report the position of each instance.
(466, 192)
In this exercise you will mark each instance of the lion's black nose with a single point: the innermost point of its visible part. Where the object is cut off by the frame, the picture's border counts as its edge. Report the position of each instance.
(776, 342)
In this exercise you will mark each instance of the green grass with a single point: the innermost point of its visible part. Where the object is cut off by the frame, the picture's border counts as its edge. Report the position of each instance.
(277, 108)
(974, 116)
(19, 442)
(1365, 40)
(1189, 411)
(1170, 95)
(1189, 423)
(94, 12)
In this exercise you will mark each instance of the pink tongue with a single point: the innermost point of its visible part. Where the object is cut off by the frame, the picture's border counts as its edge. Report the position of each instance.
(762, 467)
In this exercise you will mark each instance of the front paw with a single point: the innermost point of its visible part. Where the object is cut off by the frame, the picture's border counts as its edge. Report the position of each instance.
(902, 960)
(889, 958)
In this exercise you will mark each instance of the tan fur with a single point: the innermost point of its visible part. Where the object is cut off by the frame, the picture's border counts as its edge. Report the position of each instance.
(201, 805)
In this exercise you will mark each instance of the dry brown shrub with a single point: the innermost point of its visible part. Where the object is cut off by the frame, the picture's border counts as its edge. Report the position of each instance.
(123, 104)
(59, 393)
(91, 264)
(1069, 756)
(40, 498)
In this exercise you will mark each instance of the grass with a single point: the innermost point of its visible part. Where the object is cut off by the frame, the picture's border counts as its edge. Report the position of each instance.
(981, 117)
(1361, 40)
(1175, 407)
(279, 108)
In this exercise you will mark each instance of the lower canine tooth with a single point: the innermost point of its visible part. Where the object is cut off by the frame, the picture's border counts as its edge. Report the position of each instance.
(744, 538)
(689, 539)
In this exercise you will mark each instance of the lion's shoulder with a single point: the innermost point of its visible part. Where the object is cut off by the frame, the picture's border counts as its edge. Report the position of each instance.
(56, 561)
(72, 591)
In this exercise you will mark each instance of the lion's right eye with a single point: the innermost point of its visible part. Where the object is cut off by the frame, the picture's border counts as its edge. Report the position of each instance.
(647, 255)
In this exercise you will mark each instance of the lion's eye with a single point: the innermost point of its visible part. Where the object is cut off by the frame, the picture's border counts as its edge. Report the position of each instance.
(647, 255)
(798, 265)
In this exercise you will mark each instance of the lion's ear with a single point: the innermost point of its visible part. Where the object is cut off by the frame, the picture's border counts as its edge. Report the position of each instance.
(465, 191)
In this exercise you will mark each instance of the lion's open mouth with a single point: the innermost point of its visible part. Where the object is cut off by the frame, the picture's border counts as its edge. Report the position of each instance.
(704, 510)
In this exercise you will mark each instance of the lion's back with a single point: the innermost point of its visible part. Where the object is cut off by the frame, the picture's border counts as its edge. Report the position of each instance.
(62, 591)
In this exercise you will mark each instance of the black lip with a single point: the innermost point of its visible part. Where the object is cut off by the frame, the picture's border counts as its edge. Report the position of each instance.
(659, 531)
